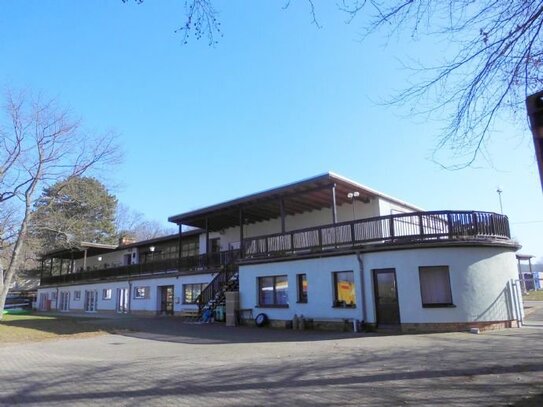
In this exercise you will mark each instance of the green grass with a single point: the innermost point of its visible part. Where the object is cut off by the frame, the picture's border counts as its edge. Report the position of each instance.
(30, 328)
(534, 296)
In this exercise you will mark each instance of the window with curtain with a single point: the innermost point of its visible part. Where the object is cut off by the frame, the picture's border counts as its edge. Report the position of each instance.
(435, 286)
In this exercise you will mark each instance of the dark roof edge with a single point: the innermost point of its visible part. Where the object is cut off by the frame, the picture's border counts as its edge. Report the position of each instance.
(328, 176)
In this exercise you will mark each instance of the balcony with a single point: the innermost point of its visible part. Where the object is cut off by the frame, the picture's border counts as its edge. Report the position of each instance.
(415, 227)
(186, 264)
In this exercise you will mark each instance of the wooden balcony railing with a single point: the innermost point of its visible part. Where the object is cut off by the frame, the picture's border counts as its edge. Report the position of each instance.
(409, 227)
(191, 263)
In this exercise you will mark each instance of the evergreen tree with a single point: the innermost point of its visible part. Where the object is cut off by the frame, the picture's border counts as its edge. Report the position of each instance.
(74, 210)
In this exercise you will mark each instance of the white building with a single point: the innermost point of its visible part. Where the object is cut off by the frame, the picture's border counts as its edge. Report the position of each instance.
(326, 248)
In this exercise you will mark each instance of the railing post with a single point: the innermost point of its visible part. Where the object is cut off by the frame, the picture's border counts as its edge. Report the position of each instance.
(352, 233)
(391, 226)
(475, 223)
(421, 226)
(450, 225)
(291, 237)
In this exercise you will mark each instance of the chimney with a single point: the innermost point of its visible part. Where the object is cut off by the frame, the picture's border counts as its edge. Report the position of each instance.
(125, 240)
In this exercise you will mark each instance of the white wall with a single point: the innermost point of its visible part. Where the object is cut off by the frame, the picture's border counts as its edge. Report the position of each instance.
(480, 278)
(319, 282)
(294, 222)
(150, 304)
(479, 282)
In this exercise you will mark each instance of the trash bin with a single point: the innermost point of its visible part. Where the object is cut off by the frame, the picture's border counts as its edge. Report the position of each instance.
(219, 314)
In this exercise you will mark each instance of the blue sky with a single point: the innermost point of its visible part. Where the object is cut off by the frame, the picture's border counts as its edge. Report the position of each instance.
(277, 100)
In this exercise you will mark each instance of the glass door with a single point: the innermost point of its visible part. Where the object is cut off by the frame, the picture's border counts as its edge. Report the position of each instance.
(91, 299)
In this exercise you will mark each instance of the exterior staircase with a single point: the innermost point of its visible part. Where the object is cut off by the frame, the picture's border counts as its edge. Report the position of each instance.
(213, 295)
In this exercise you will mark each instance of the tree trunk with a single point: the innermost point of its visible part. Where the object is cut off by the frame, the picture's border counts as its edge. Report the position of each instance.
(14, 261)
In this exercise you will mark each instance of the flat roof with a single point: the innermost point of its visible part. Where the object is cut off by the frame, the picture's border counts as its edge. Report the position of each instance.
(95, 249)
(302, 196)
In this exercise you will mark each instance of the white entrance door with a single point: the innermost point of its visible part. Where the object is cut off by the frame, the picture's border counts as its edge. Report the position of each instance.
(43, 303)
(64, 301)
(122, 300)
(91, 299)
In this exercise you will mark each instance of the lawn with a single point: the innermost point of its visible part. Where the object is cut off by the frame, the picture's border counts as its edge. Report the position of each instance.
(534, 296)
(31, 328)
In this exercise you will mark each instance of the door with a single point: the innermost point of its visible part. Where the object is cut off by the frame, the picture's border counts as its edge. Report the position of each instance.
(386, 297)
(42, 304)
(91, 299)
(166, 299)
(122, 300)
(64, 301)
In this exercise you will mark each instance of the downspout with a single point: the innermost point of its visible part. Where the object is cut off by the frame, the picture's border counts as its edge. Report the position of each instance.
(362, 287)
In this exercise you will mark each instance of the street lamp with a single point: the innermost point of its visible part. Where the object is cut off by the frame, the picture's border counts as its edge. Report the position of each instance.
(352, 196)
(499, 191)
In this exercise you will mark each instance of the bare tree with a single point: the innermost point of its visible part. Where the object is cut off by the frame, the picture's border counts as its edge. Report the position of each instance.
(40, 144)
(136, 225)
(498, 59)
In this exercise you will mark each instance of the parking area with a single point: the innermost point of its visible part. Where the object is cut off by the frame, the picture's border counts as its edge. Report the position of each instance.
(168, 362)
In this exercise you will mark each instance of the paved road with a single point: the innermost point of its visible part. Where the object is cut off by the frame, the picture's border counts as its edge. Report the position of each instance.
(166, 362)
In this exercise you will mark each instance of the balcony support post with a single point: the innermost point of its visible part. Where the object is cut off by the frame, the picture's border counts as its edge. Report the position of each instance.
(334, 208)
(241, 245)
(282, 210)
(180, 247)
(207, 240)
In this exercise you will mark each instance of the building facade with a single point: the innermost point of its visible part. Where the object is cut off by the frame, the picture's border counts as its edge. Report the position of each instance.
(326, 249)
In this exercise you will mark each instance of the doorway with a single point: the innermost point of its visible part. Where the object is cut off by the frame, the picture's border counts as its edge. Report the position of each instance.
(386, 297)
(64, 301)
(91, 300)
(123, 297)
(166, 299)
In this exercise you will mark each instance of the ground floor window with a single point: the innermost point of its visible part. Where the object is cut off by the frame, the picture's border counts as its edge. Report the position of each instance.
(191, 292)
(302, 287)
(344, 289)
(435, 286)
(106, 294)
(141, 292)
(77, 295)
(273, 291)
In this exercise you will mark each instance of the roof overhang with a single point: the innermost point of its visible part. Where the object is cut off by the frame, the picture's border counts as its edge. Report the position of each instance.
(307, 195)
(81, 250)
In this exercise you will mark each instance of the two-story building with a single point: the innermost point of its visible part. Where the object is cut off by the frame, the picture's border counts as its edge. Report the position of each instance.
(327, 248)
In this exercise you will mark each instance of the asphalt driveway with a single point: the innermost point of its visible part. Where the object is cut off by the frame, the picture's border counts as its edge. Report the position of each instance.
(167, 362)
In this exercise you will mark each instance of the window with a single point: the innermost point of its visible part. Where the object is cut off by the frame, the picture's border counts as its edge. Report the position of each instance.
(344, 289)
(77, 295)
(302, 287)
(106, 294)
(191, 292)
(435, 286)
(273, 291)
(53, 295)
(190, 248)
(141, 292)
